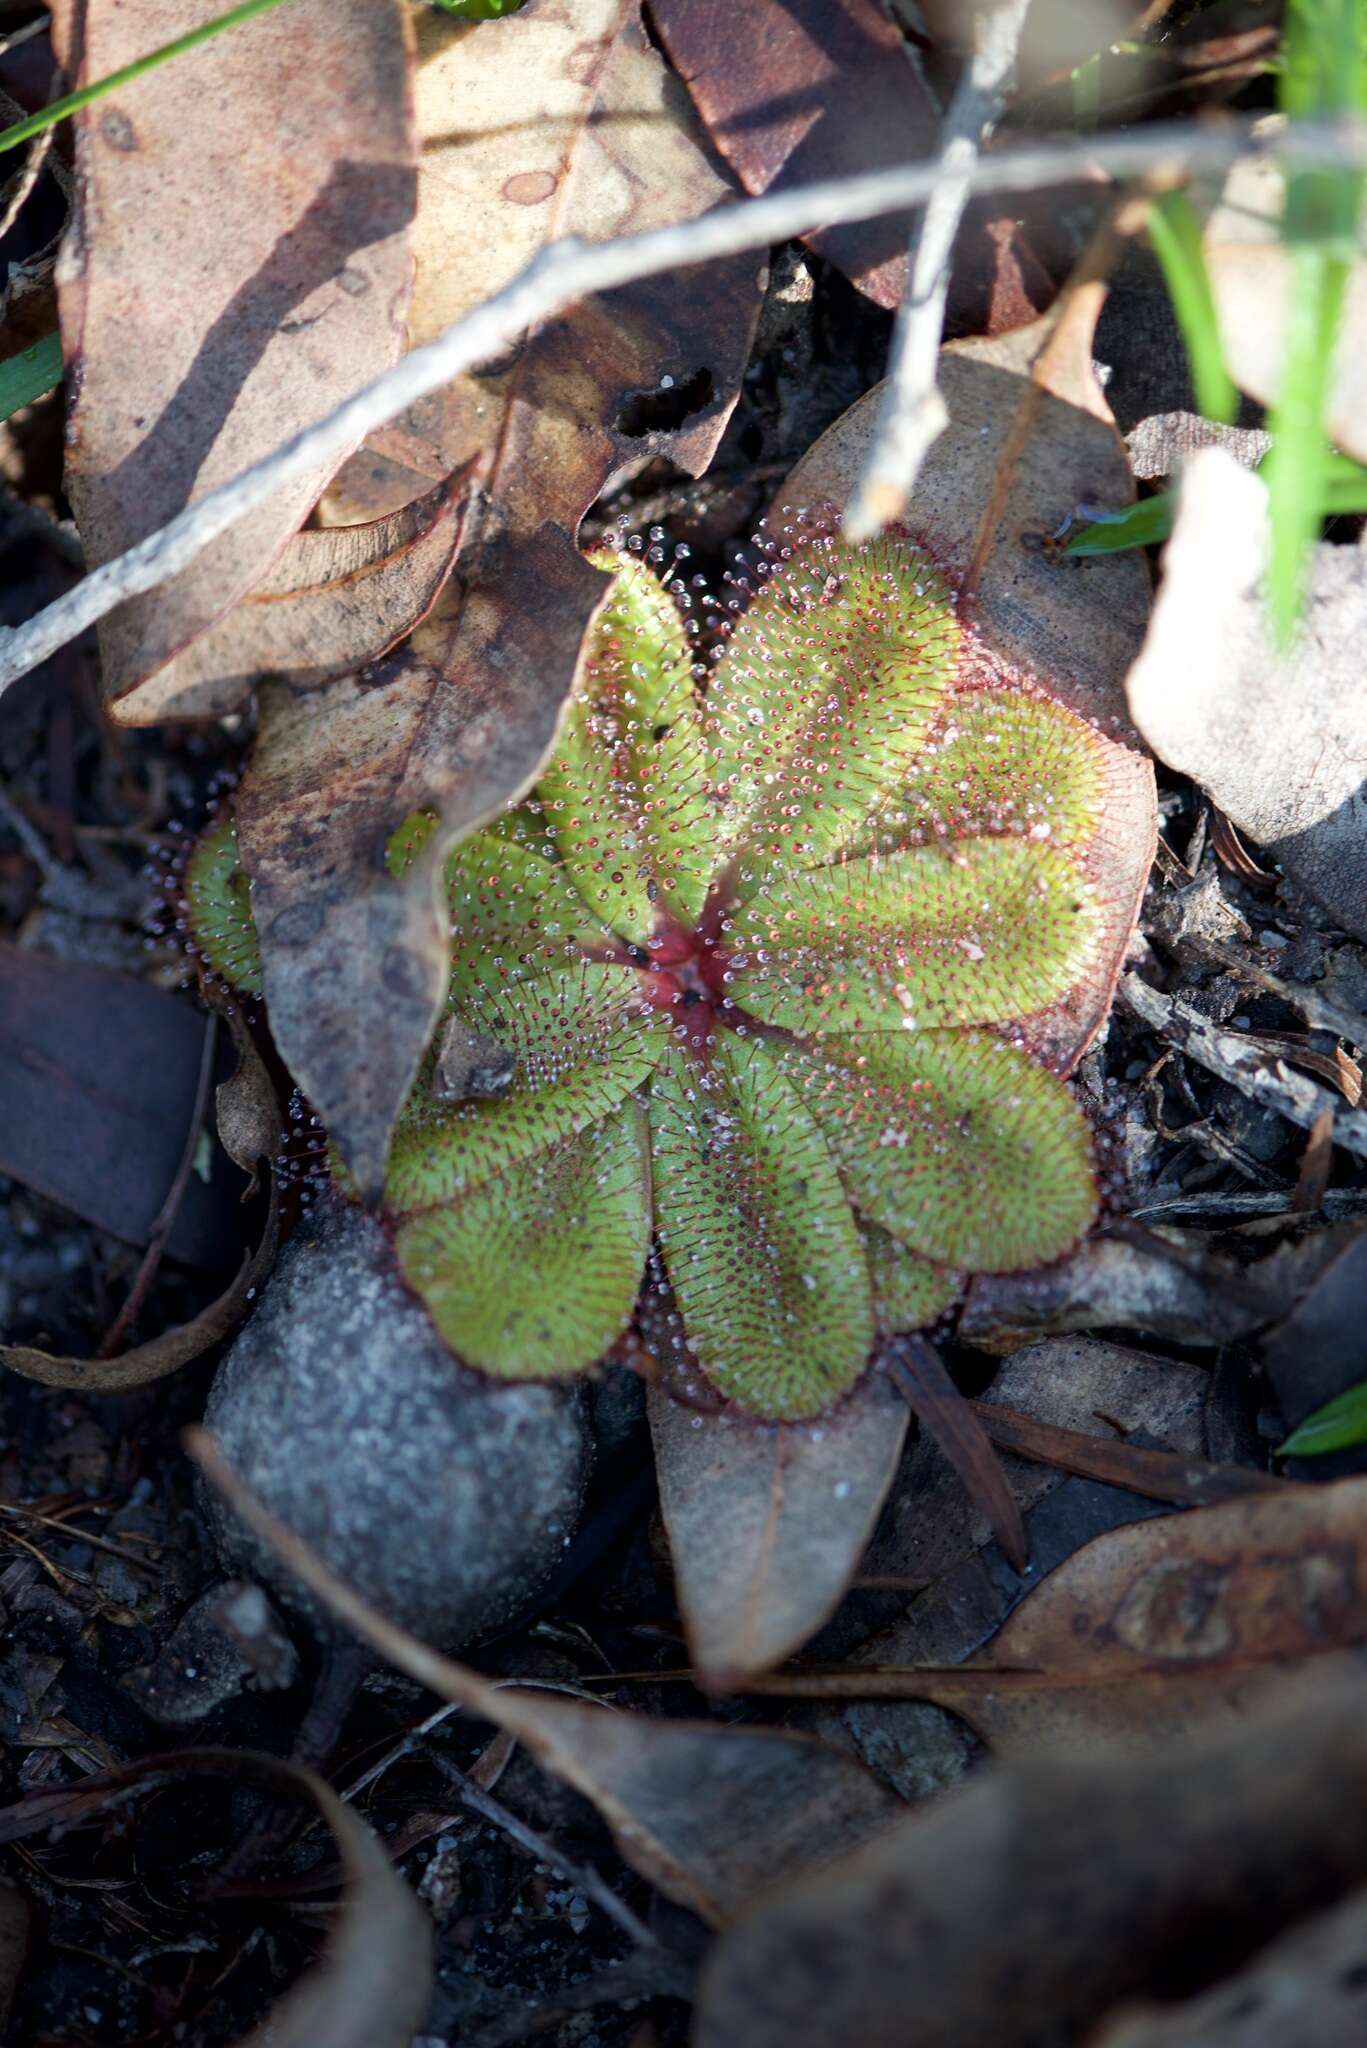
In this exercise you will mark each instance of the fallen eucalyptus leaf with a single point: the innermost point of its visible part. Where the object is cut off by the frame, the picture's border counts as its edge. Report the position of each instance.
(1157, 1630)
(1022, 1907)
(355, 961)
(1160, 1475)
(796, 90)
(767, 1525)
(196, 355)
(1274, 741)
(1307, 1989)
(337, 599)
(706, 1813)
(98, 1079)
(371, 1983)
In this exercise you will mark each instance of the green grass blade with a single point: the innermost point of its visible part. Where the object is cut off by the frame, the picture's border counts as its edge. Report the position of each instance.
(478, 10)
(1324, 73)
(1175, 234)
(1343, 491)
(58, 110)
(29, 374)
(1337, 1426)
(1141, 525)
(1296, 467)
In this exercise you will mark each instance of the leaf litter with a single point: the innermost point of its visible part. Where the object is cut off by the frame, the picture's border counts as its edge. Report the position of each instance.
(1235, 1247)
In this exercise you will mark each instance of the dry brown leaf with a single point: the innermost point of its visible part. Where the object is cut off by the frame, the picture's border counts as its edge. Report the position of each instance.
(1159, 1475)
(336, 600)
(1018, 1910)
(221, 287)
(1276, 743)
(1159, 1629)
(767, 1524)
(1307, 1990)
(370, 1986)
(797, 90)
(551, 122)
(955, 1426)
(707, 1813)
(1074, 634)
(249, 1128)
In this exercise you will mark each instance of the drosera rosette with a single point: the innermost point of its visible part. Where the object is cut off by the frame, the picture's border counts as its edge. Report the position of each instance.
(769, 972)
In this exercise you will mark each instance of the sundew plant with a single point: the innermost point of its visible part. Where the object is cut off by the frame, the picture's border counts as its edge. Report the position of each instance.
(760, 974)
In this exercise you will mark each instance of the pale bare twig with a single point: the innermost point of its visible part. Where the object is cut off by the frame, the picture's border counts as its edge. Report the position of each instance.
(23, 35)
(912, 415)
(1226, 1054)
(571, 269)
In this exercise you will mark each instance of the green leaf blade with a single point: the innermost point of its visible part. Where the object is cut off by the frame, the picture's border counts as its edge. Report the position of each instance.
(625, 789)
(1175, 233)
(513, 915)
(219, 908)
(581, 1043)
(909, 1291)
(999, 763)
(28, 375)
(535, 1273)
(964, 1148)
(920, 939)
(830, 681)
(1141, 525)
(758, 1238)
(1340, 1425)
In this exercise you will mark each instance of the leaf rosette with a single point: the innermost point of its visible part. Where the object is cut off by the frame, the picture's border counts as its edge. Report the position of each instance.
(765, 963)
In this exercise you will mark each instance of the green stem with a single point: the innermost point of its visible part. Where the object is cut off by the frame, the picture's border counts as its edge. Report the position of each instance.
(1297, 465)
(49, 116)
(1175, 234)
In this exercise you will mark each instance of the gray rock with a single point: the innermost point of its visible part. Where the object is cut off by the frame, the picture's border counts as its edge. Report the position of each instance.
(445, 1499)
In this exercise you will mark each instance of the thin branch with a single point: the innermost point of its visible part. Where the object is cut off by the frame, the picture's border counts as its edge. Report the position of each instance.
(581, 1875)
(1230, 1057)
(571, 269)
(913, 415)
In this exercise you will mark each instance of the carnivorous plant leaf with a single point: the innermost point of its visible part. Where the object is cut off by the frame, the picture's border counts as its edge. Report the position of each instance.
(758, 969)
(758, 1238)
(542, 1262)
(626, 789)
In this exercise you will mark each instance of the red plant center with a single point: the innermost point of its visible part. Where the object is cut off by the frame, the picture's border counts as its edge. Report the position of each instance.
(683, 971)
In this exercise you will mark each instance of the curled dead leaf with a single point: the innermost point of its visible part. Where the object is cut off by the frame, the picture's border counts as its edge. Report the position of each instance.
(336, 600)
(1160, 1629)
(1022, 1907)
